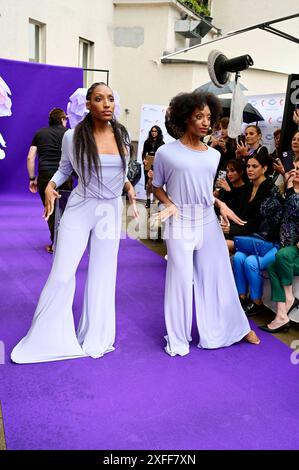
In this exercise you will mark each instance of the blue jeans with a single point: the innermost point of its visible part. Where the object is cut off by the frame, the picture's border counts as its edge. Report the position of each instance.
(247, 271)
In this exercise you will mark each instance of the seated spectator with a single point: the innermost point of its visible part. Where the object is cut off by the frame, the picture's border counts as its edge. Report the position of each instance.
(232, 192)
(253, 195)
(248, 268)
(286, 265)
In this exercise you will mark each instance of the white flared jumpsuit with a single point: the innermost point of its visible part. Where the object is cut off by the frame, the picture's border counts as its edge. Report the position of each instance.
(198, 258)
(92, 217)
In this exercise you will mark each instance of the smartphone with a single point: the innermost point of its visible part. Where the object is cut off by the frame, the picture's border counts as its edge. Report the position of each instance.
(241, 139)
(221, 175)
(287, 161)
(216, 134)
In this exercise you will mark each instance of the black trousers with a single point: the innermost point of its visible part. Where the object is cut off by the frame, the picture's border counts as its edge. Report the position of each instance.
(42, 182)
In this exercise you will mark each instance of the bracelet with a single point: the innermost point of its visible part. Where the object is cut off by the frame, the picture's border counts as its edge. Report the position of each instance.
(32, 178)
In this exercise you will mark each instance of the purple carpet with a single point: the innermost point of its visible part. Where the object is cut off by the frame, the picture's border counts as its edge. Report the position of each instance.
(241, 397)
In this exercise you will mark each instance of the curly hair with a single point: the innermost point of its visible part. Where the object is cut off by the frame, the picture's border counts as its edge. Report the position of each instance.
(183, 105)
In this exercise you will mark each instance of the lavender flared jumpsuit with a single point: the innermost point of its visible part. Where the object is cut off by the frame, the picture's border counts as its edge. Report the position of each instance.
(93, 218)
(198, 257)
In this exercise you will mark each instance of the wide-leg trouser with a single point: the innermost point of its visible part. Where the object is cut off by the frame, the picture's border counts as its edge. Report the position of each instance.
(202, 258)
(52, 334)
(282, 271)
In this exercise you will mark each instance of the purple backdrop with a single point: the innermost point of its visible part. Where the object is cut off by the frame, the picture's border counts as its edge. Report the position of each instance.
(35, 88)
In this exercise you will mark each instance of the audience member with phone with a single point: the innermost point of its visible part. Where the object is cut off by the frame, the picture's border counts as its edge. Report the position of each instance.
(224, 144)
(252, 146)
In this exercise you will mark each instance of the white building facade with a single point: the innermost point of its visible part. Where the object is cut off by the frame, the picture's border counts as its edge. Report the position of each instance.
(126, 38)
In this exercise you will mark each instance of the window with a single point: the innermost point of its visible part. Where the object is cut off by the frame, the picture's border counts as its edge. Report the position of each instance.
(36, 41)
(86, 59)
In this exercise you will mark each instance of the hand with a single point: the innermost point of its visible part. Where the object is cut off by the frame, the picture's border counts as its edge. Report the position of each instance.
(222, 144)
(50, 195)
(132, 200)
(214, 142)
(242, 150)
(296, 117)
(144, 162)
(279, 167)
(170, 211)
(33, 186)
(225, 226)
(228, 214)
(150, 174)
(289, 178)
(223, 184)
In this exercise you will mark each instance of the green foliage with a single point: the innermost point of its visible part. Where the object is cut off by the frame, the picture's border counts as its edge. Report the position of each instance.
(197, 6)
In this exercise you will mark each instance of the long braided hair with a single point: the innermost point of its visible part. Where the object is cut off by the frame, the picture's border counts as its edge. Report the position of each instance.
(85, 145)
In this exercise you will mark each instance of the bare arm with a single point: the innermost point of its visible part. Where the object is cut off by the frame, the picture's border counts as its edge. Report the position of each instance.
(129, 189)
(228, 214)
(161, 194)
(171, 208)
(50, 195)
(31, 168)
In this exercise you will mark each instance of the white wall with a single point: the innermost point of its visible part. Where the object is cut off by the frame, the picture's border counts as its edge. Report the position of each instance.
(66, 21)
(230, 15)
(135, 72)
(137, 76)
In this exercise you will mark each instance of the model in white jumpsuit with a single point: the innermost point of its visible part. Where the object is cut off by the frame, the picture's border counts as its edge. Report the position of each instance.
(93, 218)
(197, 254)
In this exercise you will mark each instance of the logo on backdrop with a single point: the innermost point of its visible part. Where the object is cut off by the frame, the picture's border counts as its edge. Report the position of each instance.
(271, 108)
(5, 110)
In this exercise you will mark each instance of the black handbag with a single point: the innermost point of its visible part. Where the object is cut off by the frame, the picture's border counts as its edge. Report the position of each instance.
(134, 172)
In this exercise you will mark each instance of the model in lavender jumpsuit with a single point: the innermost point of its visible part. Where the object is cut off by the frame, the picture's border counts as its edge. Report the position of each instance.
(93, 217)
(197, 254)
